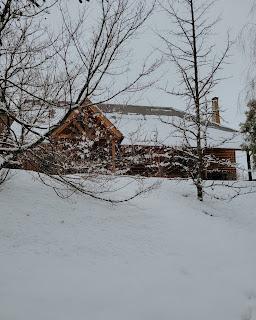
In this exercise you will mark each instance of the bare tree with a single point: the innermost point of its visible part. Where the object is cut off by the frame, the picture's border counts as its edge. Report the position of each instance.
(190, 48)
(81, 62)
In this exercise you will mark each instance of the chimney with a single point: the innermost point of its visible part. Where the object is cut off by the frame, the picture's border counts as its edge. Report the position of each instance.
(215, 110)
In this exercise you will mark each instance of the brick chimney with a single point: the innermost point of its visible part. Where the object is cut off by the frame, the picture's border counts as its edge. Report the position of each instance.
(215, 110)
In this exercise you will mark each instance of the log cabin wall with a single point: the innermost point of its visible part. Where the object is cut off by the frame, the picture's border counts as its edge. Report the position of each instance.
(69, 152)
(148, 161)
(68, 156)
(226, 168)
(84, 144)
(168, 162)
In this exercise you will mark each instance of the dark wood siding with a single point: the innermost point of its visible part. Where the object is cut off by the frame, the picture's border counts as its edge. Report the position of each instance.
(168, 162)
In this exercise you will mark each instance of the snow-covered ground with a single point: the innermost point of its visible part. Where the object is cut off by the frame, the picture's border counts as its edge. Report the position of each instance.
(162, 256)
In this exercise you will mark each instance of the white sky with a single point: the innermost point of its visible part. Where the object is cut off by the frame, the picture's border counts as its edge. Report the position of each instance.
(235, 14)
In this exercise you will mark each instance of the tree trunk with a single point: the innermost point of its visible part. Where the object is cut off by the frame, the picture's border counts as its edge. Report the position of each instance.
(197, 110)
(199, 188)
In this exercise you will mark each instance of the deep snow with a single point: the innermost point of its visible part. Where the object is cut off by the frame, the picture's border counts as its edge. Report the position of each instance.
(162, 256)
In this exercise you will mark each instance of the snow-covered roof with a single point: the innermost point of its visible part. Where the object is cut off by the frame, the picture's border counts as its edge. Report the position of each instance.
(47, 118)
(142, 125)
(41, 120)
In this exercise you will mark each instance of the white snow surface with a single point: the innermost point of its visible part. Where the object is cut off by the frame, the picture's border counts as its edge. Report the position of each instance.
(158, 130)
(161, 256)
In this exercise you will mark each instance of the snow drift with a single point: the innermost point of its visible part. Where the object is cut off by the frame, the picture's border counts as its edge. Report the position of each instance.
(162, 256)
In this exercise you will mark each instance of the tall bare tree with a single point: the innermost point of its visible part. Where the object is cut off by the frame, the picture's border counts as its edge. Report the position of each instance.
(190, 48)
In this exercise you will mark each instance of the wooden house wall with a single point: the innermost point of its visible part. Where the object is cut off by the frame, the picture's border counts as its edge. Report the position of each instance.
(168, 162)
(222, 171)
(66, 156)
(68, 150)
(59, 158)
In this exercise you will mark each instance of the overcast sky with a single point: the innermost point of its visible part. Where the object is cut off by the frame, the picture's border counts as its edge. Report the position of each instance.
(234, 14)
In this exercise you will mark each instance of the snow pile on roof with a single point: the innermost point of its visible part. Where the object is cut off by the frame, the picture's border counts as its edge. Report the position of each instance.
(162, 256)
(140, 125)
(42, 118)
(158, 130)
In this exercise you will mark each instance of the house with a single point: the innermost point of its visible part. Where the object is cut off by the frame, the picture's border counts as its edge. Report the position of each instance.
(85, 141)
(126, 139)
(151, 145)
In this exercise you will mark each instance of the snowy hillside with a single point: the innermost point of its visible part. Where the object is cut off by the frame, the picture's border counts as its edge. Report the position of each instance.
(162, 256)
